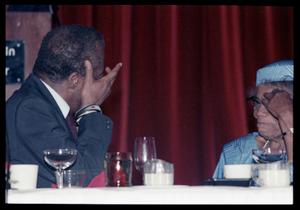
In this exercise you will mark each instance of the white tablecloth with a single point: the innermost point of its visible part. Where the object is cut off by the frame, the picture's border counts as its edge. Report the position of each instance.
(156, 195)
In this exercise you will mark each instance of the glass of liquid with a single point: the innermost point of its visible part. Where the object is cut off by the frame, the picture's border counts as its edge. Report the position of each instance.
(144, 149)
(118, 169)
(60, 159)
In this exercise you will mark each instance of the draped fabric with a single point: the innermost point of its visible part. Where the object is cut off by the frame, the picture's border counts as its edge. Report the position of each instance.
(185, 75)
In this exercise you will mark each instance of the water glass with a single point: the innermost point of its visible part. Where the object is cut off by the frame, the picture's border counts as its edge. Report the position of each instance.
(144, 149)
(73, 178)
(118, 169)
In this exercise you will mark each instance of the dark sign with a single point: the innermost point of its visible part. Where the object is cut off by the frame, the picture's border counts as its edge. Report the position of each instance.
(14, 64)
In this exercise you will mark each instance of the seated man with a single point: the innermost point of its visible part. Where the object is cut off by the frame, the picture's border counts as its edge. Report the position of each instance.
(272, 103)
(67, 77)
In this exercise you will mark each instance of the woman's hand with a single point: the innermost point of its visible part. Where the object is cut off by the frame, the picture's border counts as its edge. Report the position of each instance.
(278, 103)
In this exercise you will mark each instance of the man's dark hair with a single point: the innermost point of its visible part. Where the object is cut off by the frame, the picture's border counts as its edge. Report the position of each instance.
(64, 50)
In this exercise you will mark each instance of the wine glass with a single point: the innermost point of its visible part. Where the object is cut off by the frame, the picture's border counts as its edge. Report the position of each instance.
(144, 149)
(268, 155)
(60, 159)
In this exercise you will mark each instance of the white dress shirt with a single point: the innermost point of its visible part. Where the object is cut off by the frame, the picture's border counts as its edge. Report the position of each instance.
(62, 104)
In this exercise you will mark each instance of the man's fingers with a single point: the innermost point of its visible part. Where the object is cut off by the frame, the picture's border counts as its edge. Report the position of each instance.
(87, 65)
(88, 71)
(111, 74)
(107, 69)
(117, 68)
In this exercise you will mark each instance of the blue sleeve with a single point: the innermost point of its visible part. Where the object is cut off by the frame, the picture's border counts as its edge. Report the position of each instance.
(238, 151)
(94, 137)
(219, 171)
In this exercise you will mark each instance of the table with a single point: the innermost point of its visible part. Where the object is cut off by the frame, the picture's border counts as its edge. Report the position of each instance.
(176, 194)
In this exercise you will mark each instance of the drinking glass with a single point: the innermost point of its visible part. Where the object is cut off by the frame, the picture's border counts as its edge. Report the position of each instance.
(276, 174)
(268, 155)
(158, 173)
(118, 169)
(73, 178)
(144, 149)
(60, 159)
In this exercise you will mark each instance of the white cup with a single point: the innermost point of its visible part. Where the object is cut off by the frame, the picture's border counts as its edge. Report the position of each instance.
(23, 176)
(237, 171)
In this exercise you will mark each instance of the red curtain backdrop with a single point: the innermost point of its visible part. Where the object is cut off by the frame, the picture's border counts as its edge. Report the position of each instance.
(185, 76)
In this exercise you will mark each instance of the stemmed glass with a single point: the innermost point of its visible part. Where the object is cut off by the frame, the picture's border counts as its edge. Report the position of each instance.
(268, 155)
(144, 149)
(60, 159)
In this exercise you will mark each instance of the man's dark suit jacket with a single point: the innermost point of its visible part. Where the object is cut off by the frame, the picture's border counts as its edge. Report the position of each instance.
(35, 123)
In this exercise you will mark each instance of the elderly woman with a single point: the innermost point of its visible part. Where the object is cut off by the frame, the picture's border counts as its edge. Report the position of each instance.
(272, 103)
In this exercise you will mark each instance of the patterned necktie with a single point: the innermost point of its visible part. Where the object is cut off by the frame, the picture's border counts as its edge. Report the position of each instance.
(72, 124)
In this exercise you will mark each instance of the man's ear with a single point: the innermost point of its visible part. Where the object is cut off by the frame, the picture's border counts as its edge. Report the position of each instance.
(73, 80)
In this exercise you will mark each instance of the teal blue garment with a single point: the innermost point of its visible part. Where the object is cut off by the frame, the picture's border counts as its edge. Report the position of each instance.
(239, 151)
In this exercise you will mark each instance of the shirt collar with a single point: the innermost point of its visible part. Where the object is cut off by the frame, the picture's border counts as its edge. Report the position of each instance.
(62, 104)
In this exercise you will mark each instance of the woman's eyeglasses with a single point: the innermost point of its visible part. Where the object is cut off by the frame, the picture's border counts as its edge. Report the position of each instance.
(253, 102)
